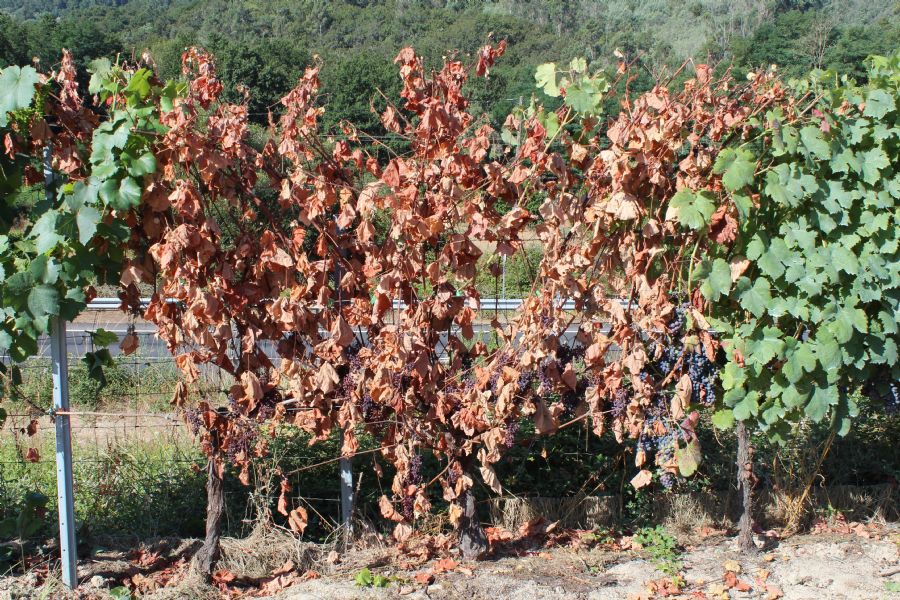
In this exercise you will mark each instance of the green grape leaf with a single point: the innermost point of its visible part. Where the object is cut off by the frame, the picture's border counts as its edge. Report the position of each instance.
(688, 458)
(844, 260)
(121, 195)
(690, 209)
(737, 167)
(873, 161)
(129, 194)
(103, 338)
(823, 397)
(95, 362)
(718, 282)
(582, 98)
(16, 90)
(87, 219)
(814, 142)
(43, 300)
(99, 70)
(146, 163)
(139, 84)
(723, 419)
(755, 298)
(44, 232)
(879, 103)
(545, 76)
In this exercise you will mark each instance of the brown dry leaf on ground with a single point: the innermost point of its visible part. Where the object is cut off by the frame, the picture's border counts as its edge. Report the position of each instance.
(443, 565)
(733, 583)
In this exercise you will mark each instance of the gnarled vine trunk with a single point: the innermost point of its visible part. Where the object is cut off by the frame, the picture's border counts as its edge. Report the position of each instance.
(208, 555)
(745, 484)
(473, 542)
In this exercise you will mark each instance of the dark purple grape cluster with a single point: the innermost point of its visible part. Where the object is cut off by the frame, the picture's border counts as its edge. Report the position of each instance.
(348, 384)
(265, 411)
(667, 480)
(668, 359)
(414, 474)
(621, 399)
(525, 381)
(676, 323)
(408, 507)
(241, 439)
(703, 373)
(509, 435)
(192, 418)
(452, 477)
(544, 383)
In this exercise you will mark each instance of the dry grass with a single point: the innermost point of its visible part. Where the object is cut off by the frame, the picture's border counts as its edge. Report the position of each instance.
(266, 549)
(577, 512)
(684, 515)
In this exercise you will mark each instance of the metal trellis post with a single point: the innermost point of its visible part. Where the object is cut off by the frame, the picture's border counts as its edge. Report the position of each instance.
(64, 480)
(346, 463)
(347, 494)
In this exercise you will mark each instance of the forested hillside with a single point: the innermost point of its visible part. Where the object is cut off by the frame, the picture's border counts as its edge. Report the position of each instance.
(264, 44)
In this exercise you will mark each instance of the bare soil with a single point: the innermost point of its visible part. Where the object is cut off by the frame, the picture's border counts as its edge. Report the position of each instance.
(807, 567)
(853, 563)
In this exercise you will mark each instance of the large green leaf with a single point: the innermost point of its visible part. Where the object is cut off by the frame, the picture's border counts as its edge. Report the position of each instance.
(693, 210)
(43, 300)
(16, 90)
(545, 76)
(879, 103)
(87, 219)
(44, 232)
(737, 168)
(718, 282)
(815, 143)
(755, 298)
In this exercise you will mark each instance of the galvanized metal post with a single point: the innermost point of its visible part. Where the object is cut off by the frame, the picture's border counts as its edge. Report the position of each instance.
(346, 463)
(503, 294)
(347, 494)
(60, 370)
(64, 481)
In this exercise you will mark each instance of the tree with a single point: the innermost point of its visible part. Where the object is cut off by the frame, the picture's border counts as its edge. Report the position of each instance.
(355, 89)
(13, 42)
(261, 72)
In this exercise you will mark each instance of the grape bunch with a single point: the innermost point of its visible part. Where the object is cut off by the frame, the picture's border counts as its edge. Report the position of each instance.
(241, 440)
(525, 381)
(669, 358)
(414, 474)
(509, 435)
(192, 418)
(621, 399)
(408, 507)
(703, 373)
(676, 323)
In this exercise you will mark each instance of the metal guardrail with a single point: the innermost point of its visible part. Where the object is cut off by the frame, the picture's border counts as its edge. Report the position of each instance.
(505, 304)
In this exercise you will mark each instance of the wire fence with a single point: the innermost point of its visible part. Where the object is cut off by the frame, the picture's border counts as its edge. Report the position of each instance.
(137, 468)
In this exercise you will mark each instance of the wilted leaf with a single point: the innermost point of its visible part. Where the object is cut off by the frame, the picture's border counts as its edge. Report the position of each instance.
(643, 478)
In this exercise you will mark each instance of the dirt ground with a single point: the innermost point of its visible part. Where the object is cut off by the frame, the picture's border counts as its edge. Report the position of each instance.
(850, 561)
(810, 567)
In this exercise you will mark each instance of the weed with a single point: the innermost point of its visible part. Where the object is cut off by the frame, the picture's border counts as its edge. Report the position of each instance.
(365, 578)
(662, 548)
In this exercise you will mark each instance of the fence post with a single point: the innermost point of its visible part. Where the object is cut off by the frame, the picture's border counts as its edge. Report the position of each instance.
(346, 463)
(60, 370)
(64, 481)
(347, 494)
